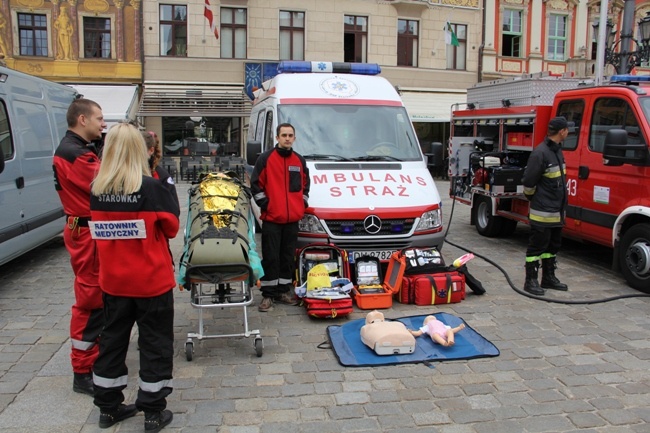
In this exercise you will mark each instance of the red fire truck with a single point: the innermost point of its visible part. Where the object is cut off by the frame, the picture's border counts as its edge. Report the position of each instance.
(606, 154)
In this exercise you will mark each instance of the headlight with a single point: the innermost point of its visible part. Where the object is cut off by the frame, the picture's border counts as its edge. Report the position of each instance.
(430, 220)
(310, 224)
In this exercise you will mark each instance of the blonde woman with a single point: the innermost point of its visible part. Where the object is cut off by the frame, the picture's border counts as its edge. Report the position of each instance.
(133, 216)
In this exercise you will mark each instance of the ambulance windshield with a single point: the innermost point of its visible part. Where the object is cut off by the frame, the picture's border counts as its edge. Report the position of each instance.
(352, 132)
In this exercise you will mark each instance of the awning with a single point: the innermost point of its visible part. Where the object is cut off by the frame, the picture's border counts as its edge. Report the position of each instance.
(200, 100)
(118, 102)
(431, 105)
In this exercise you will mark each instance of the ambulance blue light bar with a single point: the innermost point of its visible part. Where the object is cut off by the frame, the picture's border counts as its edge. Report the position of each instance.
(630, 79)
(331, 67)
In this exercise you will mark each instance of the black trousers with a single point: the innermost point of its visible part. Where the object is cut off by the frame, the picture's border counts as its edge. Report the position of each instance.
(543, 242)
(278, 255)
(155, 319)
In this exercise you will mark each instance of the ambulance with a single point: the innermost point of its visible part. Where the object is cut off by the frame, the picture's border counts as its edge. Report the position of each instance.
(371, 192)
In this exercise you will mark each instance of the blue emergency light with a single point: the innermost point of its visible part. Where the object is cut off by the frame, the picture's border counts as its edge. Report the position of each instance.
(331, 67)
(630, 78)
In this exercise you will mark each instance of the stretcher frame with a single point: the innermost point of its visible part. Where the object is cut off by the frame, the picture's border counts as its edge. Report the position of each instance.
(211, 286)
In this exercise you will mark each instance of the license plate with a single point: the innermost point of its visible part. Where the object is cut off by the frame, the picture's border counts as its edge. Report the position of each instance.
(383, 255)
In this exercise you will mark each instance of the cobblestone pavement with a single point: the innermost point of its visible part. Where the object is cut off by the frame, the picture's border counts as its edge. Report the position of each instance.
(562, 367)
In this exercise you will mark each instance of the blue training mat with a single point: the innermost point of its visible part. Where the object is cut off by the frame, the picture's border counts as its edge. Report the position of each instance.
(351, 352)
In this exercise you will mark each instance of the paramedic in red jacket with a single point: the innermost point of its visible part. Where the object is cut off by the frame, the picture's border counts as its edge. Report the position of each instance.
(75, 166)
(280, 187)
(133, 217)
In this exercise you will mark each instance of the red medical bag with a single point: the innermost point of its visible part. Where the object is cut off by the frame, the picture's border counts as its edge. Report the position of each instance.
(432, 289)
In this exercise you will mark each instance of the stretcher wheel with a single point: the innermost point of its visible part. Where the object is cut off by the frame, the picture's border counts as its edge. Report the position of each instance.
(259, 347)
(189, 350)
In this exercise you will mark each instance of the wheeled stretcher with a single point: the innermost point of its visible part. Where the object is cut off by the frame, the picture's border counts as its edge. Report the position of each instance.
(219, 261)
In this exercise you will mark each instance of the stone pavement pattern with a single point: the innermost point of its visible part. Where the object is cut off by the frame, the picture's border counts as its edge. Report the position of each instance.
(562, 368)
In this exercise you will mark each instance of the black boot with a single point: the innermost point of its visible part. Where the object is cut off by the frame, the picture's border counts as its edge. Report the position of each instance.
(83, 383)
(549, 280)
(123, 411)
(155, 421)
(531, 285)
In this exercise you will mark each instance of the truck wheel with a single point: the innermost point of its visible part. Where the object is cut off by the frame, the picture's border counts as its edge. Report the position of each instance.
(635, 257)
(486, 223)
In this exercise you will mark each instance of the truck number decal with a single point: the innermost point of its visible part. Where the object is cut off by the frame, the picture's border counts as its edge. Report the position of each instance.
(572, 187)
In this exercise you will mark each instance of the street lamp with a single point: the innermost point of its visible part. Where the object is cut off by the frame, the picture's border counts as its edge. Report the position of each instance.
(623, 60)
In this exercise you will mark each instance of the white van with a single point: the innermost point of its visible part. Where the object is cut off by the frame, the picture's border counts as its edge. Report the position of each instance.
(32, 122)
(371, 192)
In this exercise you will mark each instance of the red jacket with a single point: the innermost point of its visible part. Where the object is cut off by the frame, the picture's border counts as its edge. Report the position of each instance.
(75, 165)
(280, 185)
(131, 233)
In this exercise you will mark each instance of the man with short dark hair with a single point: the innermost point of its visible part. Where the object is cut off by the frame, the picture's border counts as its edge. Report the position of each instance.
(75, 166)
(545, 187)
(280, 187)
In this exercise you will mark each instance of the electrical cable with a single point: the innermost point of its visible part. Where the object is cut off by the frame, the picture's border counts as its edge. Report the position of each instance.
(522, 292)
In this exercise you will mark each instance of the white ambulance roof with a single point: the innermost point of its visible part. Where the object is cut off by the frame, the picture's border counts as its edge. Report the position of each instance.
(331, 89)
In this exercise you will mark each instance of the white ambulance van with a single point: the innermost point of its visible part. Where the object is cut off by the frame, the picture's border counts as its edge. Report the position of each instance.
(32, 122)
(371, 192)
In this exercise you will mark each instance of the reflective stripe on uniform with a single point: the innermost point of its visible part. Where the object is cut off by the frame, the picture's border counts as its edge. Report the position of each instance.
(82, 345)
(553, 172)
(544, 217)
(269, 283)
(285, 281)
(547, 256)
(106, 382)
(530, 259)
(155, 386)
(530, 190)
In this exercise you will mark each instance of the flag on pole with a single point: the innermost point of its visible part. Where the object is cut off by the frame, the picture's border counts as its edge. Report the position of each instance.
(450, 36)
(208, 14)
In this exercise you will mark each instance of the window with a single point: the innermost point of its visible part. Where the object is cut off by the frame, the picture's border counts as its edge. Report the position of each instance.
(572, 111)
(511, 33)
(594, 45)
(407, 43)
(456, 55)
(292, 35)
(6, 142)
(32, 33)
(208, 136)
(233, 33)
(97, 38)
(34, 126)
(355, 39)
(556, 37)
(173, 30)
(269, 133)
(613, 113)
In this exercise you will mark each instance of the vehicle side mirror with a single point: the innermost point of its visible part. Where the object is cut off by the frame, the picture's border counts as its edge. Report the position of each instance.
(253, 150)
(618, 151)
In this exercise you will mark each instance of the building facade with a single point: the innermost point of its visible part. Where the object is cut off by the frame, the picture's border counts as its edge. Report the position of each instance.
(94, 45)
(202, 59)
(194, 63)
(530, 36)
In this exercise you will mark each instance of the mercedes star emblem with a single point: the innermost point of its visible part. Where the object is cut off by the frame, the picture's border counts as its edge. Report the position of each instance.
(372, 224)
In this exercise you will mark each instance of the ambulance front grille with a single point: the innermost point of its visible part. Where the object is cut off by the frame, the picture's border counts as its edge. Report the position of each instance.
(353, 228)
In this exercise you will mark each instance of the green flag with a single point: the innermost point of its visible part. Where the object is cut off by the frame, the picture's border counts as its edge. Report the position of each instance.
(450, 36)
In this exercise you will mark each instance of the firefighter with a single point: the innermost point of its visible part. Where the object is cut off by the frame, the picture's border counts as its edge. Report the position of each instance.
(544, 186)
